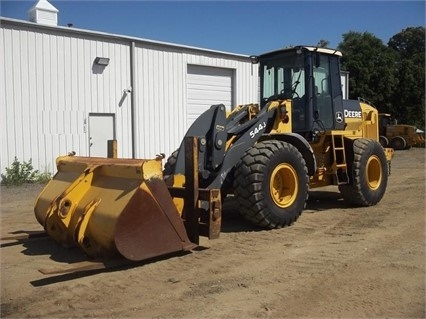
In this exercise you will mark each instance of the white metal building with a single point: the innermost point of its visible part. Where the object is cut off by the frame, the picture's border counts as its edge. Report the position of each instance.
(65, 89)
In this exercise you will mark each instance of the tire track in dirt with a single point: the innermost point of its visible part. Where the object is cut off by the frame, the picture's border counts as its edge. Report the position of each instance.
(225, 257)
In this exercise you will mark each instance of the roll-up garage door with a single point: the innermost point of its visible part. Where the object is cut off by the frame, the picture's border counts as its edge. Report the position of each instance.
(207, 86)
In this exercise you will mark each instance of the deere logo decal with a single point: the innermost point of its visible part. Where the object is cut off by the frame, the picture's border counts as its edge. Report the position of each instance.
(353, 114)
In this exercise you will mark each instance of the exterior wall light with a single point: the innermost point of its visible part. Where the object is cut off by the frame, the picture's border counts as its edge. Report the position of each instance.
(102, 61)
(254, 59)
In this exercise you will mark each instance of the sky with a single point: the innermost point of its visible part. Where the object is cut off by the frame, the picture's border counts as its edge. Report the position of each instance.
(244, 27)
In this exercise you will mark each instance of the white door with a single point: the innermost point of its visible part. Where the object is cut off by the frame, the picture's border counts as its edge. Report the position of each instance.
(207, 86)
(101, 129)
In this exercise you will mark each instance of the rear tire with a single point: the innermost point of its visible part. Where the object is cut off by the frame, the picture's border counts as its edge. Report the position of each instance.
(271, 184)
(368, 174)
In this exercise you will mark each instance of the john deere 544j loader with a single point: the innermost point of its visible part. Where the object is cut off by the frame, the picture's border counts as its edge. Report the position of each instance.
(301, 135)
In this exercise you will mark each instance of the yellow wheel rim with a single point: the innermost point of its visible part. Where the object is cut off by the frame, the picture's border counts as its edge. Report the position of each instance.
(374, 172)
(284, 185)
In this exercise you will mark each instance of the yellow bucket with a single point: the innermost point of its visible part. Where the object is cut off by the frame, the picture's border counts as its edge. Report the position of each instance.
(108, 206)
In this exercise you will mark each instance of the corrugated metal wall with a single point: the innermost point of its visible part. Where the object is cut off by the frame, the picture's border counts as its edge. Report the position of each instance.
(159, 100)
(160, 95)
(49, 84)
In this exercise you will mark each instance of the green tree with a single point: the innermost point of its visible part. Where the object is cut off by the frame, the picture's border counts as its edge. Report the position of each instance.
(409, 97)
(323, 43)
(371, 67)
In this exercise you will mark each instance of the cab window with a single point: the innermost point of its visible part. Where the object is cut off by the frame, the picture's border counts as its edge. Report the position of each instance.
(283, 78)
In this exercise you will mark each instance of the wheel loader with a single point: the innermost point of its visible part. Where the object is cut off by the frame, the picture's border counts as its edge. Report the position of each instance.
(398, 136)
(301, 135)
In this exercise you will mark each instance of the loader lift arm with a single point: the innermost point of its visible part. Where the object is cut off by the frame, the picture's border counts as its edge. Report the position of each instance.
(197, 201)
(215, 158)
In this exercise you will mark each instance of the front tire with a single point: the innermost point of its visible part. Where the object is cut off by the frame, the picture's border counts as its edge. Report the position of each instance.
(169, 166)
(398, 143)
(271, 184)
(368, 174)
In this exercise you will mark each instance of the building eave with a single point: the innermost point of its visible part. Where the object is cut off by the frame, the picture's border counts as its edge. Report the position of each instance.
(9, 21)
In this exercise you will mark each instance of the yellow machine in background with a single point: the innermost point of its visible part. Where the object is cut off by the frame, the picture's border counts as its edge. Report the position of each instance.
(399, 136)
(302, 135)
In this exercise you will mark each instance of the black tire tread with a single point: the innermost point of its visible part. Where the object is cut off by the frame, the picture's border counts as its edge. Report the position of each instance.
(398, 143)
(248, 183)
(169, 166)
(356, 193)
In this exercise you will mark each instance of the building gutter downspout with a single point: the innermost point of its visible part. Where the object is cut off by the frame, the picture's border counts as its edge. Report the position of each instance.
(132, 97)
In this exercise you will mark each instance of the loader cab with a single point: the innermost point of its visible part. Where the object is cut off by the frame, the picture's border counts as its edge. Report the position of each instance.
(310, 77)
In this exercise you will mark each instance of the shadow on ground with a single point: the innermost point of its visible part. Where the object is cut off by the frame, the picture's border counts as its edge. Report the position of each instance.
(67, 258)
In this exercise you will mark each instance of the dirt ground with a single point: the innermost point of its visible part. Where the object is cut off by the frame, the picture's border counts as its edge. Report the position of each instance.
(335, 261)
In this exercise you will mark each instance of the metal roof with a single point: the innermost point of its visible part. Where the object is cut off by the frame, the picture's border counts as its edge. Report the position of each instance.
(304, 47)
(8, 21)
(160, 43)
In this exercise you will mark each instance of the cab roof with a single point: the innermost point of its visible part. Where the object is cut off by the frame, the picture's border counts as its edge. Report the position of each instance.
(303, 47)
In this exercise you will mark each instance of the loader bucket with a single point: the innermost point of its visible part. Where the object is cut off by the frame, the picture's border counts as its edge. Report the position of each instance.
(111, 206)
(420, 139)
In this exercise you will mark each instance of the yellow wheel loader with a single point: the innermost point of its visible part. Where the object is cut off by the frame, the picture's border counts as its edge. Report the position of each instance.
(399, 136)
(301, 135)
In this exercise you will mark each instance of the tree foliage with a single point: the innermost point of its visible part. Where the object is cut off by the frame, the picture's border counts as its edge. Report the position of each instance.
(323, 43)
(370, 66)
(391, 76)
(409, 99)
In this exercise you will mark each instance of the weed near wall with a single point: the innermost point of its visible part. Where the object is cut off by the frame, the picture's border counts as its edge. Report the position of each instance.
(19, 173)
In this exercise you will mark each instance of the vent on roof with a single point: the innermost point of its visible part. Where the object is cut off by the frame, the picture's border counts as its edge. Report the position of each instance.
(44, 13)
